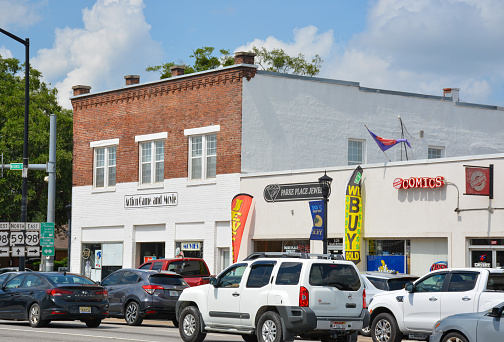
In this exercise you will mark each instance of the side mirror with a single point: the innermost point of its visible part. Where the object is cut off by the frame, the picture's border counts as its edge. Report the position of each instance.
(409, 287)
(214, 281)
(496, 311)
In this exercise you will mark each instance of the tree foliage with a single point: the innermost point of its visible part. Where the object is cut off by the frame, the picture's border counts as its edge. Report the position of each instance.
(277, 60)
(43, 102)
(203, 60)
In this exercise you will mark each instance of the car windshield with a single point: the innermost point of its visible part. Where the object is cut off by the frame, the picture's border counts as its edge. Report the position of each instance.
(341, 276)
(61, 279)
(398, 284)
(164, 279)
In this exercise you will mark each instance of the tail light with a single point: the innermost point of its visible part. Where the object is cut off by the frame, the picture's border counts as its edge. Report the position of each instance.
(57, 292)
(200, 282)
(103, 292)
(150, 289)
(304, 296)
(364, 304)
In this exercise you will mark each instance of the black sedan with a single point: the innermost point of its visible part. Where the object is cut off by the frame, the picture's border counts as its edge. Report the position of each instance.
(41, 297)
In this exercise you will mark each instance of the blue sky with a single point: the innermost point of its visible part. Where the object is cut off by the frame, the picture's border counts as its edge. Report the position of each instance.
(404, 45)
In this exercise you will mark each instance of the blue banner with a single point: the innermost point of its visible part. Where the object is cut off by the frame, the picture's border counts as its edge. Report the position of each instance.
(317, 212)
(386, 263)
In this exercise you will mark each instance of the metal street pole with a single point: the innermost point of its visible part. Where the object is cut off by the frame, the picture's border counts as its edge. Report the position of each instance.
(24, 191)
(51, 191)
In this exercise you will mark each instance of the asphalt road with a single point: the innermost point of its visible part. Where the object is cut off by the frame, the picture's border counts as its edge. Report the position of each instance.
(110, 329)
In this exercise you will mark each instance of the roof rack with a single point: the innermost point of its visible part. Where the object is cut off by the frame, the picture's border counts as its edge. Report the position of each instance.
(257, 255)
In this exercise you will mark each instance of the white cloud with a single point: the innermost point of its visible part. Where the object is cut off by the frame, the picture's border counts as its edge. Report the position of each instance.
(115, 41)
(5, 53)
(19, 13)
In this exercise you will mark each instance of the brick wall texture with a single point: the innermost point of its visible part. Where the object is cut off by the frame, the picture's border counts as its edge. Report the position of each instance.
(171, 105)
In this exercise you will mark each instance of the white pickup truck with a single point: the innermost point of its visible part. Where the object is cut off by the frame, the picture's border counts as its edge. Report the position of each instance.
(412, 312)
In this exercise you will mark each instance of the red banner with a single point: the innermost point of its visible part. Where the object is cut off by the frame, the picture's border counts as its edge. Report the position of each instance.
(478, 181)
(240, 207)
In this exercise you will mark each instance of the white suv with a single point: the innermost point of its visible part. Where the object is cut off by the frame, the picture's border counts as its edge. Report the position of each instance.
(275, 297)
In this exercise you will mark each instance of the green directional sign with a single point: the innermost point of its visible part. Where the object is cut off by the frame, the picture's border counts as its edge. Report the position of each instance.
(47, 241)
(46, 230)
(16, 166)
(47, 251)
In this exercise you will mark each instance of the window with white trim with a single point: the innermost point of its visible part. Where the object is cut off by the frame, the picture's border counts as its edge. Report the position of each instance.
(202, 152)
(355, 152)
(104, 163)
(435, 152)
(152, 162)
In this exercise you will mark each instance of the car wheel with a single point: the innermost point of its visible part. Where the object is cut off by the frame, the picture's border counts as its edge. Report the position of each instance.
(365, 331)
(384, 329)
(249, 338)
(190, 325)
(454, 337)
(132, 314)
(93, 323)
(175, 323)
(34, 315)
(269, 327)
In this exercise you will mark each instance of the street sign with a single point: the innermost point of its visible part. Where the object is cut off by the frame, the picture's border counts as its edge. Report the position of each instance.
(17, 226)
(47, 251)
(33, 251)
(4, 225)
(32, 225)
(47, 230)
(47, 241)
(18, 251)
(4, 252)
(4, 238)
(32, 238)
(16, 166)
(17, 238)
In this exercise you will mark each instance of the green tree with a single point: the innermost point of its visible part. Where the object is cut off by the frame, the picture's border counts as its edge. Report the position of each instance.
(43, 102)
(203, 60)
(277, 60)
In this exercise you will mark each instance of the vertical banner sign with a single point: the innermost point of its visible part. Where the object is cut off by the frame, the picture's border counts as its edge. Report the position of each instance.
(240, 207)
(353, 217)
(317, 212)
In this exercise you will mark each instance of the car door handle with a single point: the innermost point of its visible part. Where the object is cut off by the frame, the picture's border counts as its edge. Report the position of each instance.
(236, 294)
(466, 298)
(432, 299)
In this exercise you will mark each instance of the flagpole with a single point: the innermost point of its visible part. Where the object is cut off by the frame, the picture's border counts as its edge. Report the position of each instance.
(402, 137)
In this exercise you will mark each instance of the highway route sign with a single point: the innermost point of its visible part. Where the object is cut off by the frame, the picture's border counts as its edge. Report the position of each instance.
(47, 242)
(47, 230)
(32, 238)
(17, 238)
(47, 251)
(4, 252)
(4, 225)
(17, 251)
(17, 226)
(4, 238)
(33, 251)
(32, 225)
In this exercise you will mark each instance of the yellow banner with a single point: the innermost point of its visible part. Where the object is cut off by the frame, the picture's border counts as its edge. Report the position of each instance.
(353, 217)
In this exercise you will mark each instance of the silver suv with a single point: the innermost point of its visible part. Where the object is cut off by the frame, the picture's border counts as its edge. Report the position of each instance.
(276, 297)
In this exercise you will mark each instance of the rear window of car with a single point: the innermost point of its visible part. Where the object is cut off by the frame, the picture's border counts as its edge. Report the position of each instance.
(188, 267)
(69, 279)
(164, 279)
(495, 282)
(344, 277)
(379, 283)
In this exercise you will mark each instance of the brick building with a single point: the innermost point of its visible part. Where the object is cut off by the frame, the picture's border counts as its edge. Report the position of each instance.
(156, 165)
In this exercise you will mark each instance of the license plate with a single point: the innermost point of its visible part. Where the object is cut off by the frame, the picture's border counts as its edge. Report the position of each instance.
(338, 325)
(85, 309)
(174, 293)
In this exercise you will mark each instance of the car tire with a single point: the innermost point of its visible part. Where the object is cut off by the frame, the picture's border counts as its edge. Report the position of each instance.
(365, 331)
(454, 337)
(34, 314)
(132, 314)
(269, 327)
(93, 323)
(190, 325)
(385, 329)
(249, 338)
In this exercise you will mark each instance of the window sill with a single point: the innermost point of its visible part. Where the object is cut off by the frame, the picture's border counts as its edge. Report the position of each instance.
(201, 182)
(100, 190)
(150, 186)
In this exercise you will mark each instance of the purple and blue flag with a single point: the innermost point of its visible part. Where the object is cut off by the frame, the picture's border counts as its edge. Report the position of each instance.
(385, 144)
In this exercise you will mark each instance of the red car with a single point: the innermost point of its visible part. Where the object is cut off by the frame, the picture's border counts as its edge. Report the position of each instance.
(194, 270)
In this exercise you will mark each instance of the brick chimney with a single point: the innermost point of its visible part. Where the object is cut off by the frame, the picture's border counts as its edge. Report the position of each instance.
(177, 70)
(244, 57)
(81, 89)
(132, 79)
